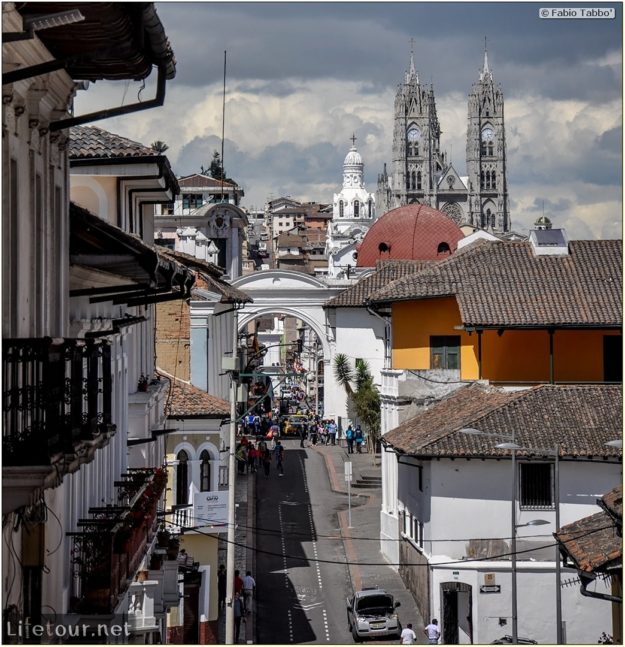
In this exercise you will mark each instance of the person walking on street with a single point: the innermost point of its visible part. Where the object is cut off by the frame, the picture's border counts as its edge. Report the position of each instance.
(237, 608)
(359, 438)
(432, 632)
(302, 436)
(349, 437)
(408, 636)
(249, 586)
(266, 459)
(313, 433)
(279, 454)
(332, 432)
(222, 583)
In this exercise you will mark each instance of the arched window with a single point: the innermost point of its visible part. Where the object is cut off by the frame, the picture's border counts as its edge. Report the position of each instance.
(205, 472)
(419, 181)
(182, 478)
(341, 208)
(488, 218)
(413, 180)
(490, 148)
(356, 209)
(492, 220)
(482, 182)
(493, 183)
(443, 248)
(370, 208)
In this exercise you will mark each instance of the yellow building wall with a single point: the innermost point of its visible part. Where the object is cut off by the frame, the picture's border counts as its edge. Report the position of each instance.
(516, 355)
(204, 549)
(96, 194)
(414, 322)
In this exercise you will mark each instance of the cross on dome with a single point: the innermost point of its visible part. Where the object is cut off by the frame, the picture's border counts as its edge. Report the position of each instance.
(353, 140)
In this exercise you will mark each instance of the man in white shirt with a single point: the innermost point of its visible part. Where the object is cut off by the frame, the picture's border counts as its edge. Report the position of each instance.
(408, 636)
(432, 632)
(249, 585)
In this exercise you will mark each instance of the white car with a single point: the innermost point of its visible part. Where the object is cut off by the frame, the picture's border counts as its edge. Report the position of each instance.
(372, 613)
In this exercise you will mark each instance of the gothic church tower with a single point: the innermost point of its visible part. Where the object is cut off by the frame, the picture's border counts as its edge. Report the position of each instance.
(486, 155)
(417, 159)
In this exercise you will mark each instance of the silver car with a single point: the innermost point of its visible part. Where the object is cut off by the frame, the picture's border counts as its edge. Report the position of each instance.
(372, 613)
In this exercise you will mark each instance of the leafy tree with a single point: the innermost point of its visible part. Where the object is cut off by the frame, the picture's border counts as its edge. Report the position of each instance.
(159, 146)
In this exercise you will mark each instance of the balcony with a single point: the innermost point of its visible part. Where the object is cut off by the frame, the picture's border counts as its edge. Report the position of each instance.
(108, 550)
(56, 411)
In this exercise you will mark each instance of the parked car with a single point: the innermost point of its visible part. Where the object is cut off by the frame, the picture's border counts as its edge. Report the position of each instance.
(507, 640)
(372, 612)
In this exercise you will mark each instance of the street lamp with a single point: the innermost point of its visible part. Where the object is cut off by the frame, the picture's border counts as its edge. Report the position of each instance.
(556, 486)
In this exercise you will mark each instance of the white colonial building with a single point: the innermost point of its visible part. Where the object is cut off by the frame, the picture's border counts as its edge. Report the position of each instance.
(353, 212)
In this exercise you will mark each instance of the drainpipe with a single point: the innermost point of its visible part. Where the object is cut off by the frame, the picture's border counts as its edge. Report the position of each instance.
(589, 578)
(158, 100)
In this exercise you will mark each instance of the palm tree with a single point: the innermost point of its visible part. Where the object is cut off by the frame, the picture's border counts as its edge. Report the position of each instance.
(343, 372)
(159, 146)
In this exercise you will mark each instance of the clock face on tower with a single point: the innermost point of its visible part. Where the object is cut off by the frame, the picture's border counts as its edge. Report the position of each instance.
(487, 134)
(413, 134)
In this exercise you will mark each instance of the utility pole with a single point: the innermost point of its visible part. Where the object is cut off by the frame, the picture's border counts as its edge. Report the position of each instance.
(231, 487)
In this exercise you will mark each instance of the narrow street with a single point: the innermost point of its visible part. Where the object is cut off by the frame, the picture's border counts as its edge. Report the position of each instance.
(301, 566)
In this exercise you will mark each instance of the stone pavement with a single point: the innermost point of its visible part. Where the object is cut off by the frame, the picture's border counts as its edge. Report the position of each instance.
(363, 548)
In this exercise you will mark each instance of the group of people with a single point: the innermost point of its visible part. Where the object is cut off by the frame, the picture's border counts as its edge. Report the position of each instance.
(354, 436)
(409, 637)
(244, 589)
(251, 457)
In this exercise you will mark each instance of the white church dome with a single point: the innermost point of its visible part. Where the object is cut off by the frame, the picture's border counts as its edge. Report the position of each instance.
(353, 158)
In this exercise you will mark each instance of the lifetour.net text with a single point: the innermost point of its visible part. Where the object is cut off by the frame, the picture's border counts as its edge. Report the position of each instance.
(53, 629)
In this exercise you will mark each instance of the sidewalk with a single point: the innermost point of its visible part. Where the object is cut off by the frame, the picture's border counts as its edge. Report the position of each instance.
(244, 551)
(366, 496)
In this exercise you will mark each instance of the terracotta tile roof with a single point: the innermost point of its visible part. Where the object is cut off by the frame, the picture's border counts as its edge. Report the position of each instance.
(504, 284)
(385, 272)
(580, 418)
(211, 274)
(593, 543)
(612, 503)
(91, 142)
(205, 181)
(187, 401)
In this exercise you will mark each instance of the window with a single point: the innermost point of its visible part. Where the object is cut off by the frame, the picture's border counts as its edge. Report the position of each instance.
(536, 486)
(613, 358)
(419, 181)
(341, 208)
(168, 209)
(192, 200)
(370, 208)
(445, 352)
(493, 181)
(443, 248)
(356, 209)
(182, 478)
(489, 148)
(205, 472)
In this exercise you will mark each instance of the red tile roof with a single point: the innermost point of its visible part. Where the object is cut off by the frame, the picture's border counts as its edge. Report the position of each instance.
(187, 401)
(504, 284)
(579, 418)
(91, 142)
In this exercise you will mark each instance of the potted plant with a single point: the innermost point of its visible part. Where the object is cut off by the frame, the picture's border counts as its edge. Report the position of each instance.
(142, 384)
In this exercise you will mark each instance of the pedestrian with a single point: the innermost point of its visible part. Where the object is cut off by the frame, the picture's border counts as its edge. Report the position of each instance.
(237, 608)
(279, 454)
(249, 586)
(359, 438)
(408, 636)
(238, 582)
(252, 457)
(302, 436)
(222, 583)
(332, 432)
(432, 632)
(241, 456)
(349, 436)
(313, 434)
(266, 459)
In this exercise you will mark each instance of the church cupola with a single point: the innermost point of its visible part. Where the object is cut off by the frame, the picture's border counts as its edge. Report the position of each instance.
(353, 168)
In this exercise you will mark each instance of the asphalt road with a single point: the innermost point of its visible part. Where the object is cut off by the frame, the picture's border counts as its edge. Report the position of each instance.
(301, 574)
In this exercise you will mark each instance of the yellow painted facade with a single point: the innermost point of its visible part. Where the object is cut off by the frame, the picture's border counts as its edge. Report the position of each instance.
(515, 355)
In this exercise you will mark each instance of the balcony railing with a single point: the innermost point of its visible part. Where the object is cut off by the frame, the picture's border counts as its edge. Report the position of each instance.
(56, 396)
(108, 551)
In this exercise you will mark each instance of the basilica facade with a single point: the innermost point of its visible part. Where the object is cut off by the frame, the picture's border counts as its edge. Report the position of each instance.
(420, 171)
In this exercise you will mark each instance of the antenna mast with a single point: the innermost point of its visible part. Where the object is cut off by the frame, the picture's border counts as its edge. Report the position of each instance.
(223, 127)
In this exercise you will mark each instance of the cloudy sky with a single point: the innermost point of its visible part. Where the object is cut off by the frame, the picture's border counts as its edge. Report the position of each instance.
(301, 77)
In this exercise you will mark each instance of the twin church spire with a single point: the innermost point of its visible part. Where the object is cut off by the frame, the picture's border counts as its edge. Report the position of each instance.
(421, 171)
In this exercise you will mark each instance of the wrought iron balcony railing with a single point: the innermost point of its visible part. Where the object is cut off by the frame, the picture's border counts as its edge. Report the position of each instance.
(56, 396)
(109, 549)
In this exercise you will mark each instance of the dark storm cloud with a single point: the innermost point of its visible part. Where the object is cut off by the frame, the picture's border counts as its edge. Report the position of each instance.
(370, 42)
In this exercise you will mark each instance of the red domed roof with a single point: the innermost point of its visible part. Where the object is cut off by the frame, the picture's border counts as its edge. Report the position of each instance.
(415, 232)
